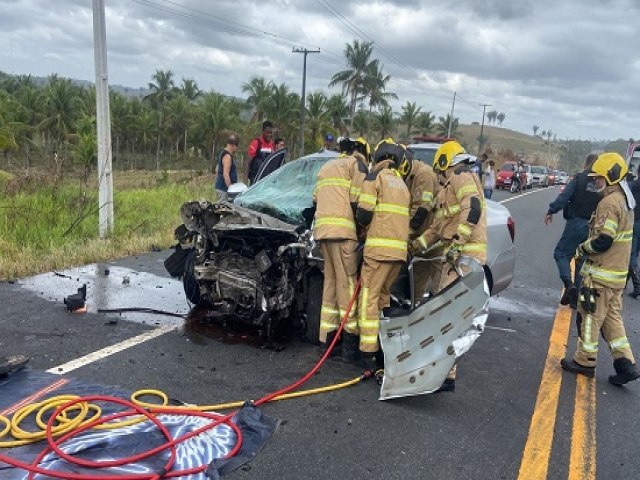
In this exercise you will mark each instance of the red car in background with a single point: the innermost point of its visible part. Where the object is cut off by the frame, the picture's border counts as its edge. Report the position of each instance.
(505, 176)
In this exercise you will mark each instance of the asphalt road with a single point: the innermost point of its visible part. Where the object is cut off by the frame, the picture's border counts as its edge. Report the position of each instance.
(514, 414)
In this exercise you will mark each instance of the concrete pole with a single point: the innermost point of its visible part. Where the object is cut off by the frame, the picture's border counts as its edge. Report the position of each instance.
(480, 142)
(302, 100)
(103, 122)
(451, 116)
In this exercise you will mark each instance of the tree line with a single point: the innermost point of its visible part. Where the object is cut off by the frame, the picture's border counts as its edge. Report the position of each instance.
(177, 125)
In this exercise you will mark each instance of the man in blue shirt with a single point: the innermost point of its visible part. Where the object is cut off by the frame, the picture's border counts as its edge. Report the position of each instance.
(577, 204)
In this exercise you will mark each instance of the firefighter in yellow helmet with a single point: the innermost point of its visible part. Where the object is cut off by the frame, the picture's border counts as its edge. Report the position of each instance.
(424, 186)
(336, 195)
(383, 209)
(606, 252)
(460, 220)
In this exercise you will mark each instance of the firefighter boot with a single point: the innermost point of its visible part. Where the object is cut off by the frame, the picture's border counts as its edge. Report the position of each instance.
(625, 372)
(635, 280)
(350, 347)
(337, 348)
(572, 366)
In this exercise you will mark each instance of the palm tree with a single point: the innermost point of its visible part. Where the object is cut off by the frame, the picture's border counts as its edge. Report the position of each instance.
(86, 152)
(179, 113)
(317, 115)
(190, 90)
(260, 91)
(374, 87)
(500, 117)
(358, 57)
(443, 126)
(360, 122)
(338, 111)
(410, 115)
(426, 123)
(161, 92)
(535, 129)
(385, 122)
(214, 119)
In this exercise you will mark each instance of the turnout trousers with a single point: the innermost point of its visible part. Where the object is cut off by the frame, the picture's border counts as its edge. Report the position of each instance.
(607, 316)
(377, 278)
(340, 268)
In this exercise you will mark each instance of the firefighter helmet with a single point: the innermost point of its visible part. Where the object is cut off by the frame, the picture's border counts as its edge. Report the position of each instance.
(445, 155)
(611, 166)
(363, 147)
(388, 149)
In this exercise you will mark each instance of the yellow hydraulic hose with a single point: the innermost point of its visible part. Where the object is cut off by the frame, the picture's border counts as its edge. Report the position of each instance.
(67, 422)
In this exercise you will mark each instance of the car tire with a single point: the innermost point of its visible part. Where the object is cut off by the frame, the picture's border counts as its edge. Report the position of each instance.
(315, 282)
(189, 282)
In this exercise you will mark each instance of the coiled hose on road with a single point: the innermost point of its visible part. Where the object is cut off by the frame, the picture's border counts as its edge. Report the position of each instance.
(71, 418)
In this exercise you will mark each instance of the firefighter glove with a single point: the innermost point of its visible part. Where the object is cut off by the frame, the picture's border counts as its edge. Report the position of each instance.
(580, 251)
(416, 246)
(453, 253)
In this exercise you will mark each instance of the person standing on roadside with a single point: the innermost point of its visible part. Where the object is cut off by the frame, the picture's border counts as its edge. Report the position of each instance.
(606, 252)
(489, 178)
(329, 144)
(577, 203)
(259, 149)
(634, 275)
(226, 170)
(279, 144)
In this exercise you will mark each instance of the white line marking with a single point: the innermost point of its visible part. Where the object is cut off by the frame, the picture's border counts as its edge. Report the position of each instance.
(107, 351)
(509, 330)
(523, 194)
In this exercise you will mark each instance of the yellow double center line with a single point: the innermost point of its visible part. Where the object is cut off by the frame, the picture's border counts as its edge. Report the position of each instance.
(535, 459)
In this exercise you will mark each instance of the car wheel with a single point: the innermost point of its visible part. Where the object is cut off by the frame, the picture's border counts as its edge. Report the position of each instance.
(315, 282)
(189, 282)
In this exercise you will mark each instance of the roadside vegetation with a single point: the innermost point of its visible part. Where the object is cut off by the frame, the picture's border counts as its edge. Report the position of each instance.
(47, 226)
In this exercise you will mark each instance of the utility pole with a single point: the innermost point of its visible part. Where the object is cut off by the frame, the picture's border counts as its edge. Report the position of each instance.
(302, 100)
(451, 115)
(480, 140)
(103, 122)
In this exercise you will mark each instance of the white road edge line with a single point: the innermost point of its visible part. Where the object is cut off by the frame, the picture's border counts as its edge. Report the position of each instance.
(523, 195)
(509, 330)
(107, 351)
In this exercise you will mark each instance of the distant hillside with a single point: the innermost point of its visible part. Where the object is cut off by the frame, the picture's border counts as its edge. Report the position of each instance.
(500, 141)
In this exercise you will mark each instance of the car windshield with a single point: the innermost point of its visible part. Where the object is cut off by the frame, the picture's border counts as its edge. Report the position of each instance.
(287, 193)
(507, 167)
(424, 154)
(538, 169)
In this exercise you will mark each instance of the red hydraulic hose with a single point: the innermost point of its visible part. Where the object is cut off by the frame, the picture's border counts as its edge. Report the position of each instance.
(149, 413)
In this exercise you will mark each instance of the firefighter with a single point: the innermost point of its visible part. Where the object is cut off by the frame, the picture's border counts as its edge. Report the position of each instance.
(383, 209)
(460, 220)
(604, 273)
(423, 186)
(336, 194)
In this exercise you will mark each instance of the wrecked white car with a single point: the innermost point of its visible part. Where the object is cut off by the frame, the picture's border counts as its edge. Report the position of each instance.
(254, 261)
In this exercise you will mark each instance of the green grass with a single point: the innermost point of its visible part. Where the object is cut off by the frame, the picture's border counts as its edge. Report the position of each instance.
(49, 227)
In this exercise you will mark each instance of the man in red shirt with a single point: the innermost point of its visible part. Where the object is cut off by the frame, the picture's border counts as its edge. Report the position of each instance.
(259, 149)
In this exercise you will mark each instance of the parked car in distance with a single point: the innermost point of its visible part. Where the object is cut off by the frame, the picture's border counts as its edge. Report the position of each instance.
(505, 174)
(529, 176)
(562, 178)
(540, 176)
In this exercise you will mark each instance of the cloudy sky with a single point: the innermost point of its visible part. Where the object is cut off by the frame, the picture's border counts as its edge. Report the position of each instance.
(572, 66)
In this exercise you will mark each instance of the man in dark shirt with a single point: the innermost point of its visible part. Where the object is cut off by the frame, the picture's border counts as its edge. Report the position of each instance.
(577, 203)
(634, 186)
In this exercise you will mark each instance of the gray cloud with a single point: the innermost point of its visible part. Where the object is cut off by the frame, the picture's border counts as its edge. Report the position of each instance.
(570, 66)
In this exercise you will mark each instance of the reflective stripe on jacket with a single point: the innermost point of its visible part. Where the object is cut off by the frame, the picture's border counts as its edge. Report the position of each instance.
(613, 218)
(386, 196)
(336, 192)
(460, 215)
(423, 186)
